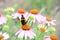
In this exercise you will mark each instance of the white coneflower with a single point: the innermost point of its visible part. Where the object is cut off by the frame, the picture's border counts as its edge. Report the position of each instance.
(4, 36)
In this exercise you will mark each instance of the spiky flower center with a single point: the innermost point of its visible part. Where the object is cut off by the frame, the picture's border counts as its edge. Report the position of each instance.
(42, 29)
(53, 37)
(25, 27)
(22, 11)
(34, 11)
(48, 19)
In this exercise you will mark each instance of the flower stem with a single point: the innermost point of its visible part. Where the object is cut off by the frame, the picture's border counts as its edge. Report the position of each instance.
(16, 38)
(1, 27)
(24, 38)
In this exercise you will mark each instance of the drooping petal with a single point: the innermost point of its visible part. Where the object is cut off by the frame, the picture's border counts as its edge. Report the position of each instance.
(40, 18)
(20, 16)
(53, 23)
(15, 15)
(26, 35)
(30, 34)
(3, 19)
(48, 24)
(1, 22)
(6, 36)
(18, 32)
(34, 20)
(21, 34)
(47, 39)
(0, 33)
(26, 15)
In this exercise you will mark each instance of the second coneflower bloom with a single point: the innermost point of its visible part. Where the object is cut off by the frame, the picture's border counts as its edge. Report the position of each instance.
(37, 16)
(19, 13)
(51, 37)
(49, 21)
(42, 29)
(4, 36)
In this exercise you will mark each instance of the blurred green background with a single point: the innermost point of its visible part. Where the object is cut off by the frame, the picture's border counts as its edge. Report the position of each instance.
(50, 8)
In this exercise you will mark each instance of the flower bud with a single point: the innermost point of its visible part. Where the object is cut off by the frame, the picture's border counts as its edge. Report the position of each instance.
(5, 27)
(52, 29)
(8, 16)
(31, 17)
(9, 10)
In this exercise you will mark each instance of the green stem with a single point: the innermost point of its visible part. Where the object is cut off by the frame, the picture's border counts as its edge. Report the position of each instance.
(1, 27)
(24, 38)
(32, 24)
(16, 38)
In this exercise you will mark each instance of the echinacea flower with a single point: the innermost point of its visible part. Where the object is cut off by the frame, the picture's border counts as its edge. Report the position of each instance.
(49, 21)
(51, 37)
(19, 13)
(25, 31)
(47, 38)
(37, 16)
(4, 36)
(2, 19)
(52, 29)
(42, 28)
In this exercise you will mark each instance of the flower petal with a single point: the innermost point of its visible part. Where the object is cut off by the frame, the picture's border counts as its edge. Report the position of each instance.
(15, 15)
(26, 15)
(6, 36)
(0, 33)
(21, 34)
(39, 18)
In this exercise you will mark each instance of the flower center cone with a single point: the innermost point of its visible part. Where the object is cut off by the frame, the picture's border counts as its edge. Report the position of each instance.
(22, 11)
(34, 11)
(53, 37)
(49, 19)
(42, 29)
(25, 27)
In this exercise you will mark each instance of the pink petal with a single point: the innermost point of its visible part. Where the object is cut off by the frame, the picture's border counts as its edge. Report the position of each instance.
(18, 32)
(1, 22)
(47, 38)
(21, 34)
(30, 34)
(40, 18)
(34, 20)
(26, 16)
(15, 15)
(53, 23)
(4, 20)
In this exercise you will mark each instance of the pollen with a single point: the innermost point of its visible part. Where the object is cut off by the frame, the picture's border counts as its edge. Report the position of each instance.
(25, 27)
(34, 11)
(1, 37)
(53, 37)
(21, 11)
(42, 29)
(48, 19)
